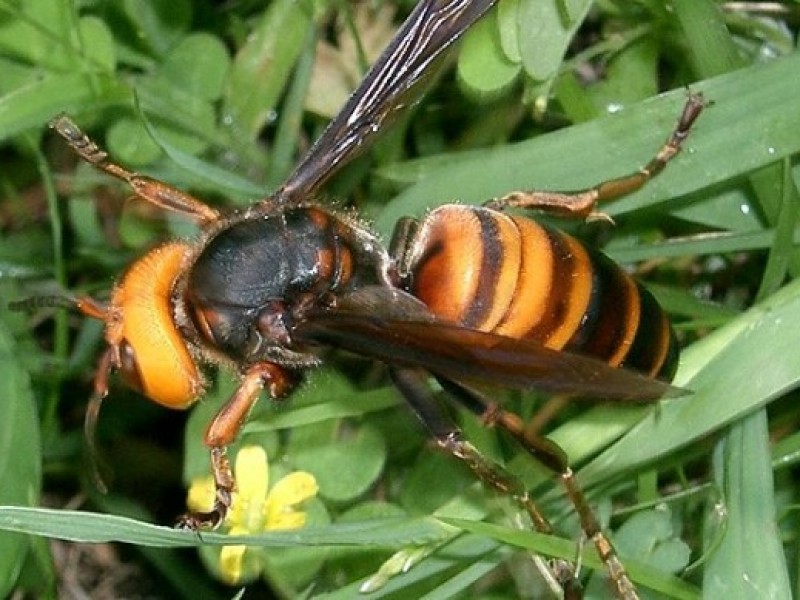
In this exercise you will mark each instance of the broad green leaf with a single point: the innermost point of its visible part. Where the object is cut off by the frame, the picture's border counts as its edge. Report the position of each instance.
(129, 143)
(262, 67)
(507, 24)
(159, 24)
(179, 68)
(74, 93)
(729, 376)
(97, 44)
(713, 49)
(749, 561)
(482, 67)
(545, 32)
(343, 469)
(708, 243)
(729, 138)
(225, 181)
(547, 545)
(39, 33)
(649, 537)
(20, 454)
(632, 75)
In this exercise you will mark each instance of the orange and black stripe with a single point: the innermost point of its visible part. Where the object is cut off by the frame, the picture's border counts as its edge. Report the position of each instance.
(509, 275)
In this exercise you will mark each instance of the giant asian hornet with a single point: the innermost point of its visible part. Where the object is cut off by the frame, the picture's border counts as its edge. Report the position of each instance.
(466, 296)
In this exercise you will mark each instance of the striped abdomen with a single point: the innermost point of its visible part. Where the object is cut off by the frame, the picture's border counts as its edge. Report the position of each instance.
(509, 275)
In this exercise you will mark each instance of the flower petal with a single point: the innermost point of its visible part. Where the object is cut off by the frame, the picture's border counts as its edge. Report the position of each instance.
(252, 473)
(230, 562)
(293, 489)
(200, 497)
(252, 479)
(293, 519)
(279, 512)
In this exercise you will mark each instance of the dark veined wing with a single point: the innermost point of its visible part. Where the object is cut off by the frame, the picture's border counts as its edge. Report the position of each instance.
(399, 331)
(429, 30)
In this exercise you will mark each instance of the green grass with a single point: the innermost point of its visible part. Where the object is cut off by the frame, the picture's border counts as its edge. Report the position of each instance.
(697, 491)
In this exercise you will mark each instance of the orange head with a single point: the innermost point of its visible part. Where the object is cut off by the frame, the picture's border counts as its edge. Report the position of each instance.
(145, 344)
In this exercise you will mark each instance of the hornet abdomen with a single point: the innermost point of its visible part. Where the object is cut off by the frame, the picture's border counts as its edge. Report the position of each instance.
(486, 270)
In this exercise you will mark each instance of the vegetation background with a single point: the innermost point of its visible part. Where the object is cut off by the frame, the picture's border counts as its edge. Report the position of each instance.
(220, 98)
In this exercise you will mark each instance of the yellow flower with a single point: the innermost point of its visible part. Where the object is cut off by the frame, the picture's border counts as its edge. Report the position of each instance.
(255, 507)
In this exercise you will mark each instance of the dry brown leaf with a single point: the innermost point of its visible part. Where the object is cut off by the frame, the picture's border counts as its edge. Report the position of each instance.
(337, 68)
